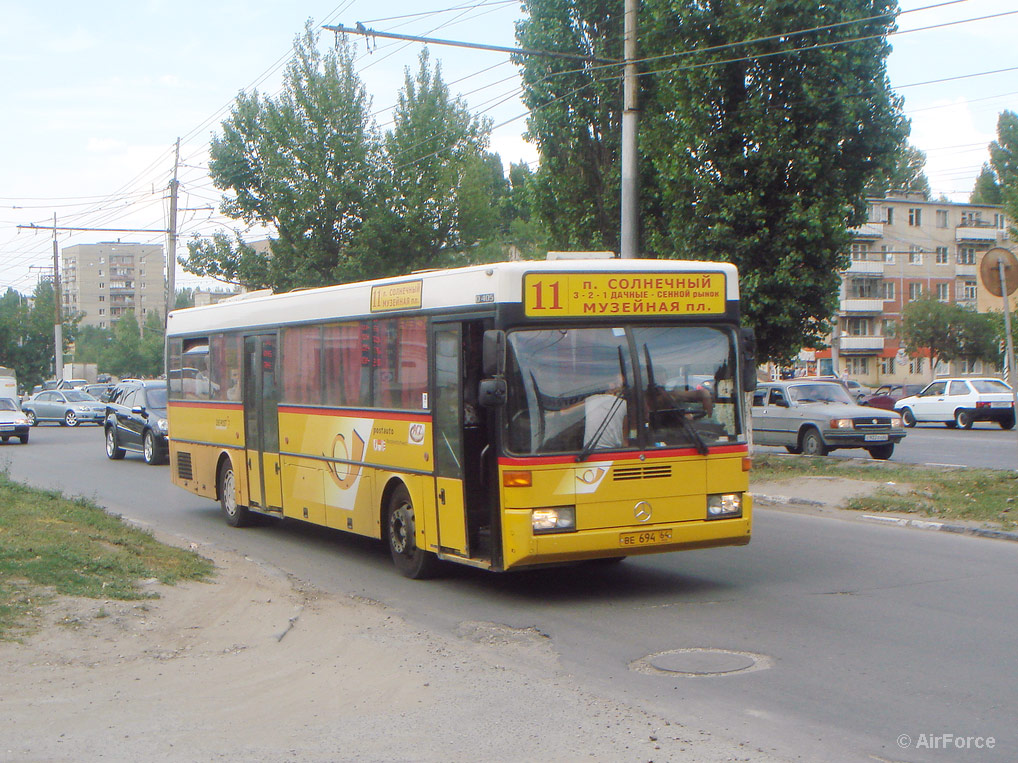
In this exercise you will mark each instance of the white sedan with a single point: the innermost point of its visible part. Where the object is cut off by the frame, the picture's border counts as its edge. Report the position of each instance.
(959, 403)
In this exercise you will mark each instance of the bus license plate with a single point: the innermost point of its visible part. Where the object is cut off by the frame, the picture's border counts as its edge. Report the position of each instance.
(876, 437)
(645, 538)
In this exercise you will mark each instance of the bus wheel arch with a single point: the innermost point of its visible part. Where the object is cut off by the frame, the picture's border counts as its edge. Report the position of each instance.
(399, 530)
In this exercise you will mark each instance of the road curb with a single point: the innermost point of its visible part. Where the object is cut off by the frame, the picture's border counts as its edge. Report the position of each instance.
(918, 524)
(924, 524)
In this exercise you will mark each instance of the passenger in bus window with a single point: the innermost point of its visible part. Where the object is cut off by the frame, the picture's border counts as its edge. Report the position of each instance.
(606, 419)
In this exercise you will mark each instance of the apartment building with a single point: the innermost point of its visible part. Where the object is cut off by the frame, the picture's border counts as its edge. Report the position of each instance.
(103, 281)
(909, 248)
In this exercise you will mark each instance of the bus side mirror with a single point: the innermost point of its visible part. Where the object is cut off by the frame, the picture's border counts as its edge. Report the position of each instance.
(491, 393)
(493, 353)
(748, 341)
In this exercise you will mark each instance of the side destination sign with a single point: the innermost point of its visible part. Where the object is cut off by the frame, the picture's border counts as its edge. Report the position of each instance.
(624, 294)
(405, 295)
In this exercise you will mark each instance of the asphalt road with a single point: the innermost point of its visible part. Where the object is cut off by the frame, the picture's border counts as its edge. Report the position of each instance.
(860, 634)
(985, 445)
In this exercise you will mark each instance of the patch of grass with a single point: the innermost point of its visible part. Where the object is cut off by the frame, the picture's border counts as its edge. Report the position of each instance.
(51, 545)
(984, 495)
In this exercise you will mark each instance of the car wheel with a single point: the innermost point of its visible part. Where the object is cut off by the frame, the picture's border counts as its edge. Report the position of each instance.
(882, 452)
(150, 449)
(5, 438)
(963, 419)
(235, 514)
(32, 421)
(793, 449)
(813, 444)
(1007, 423)
(71, 419)
(24, 438)
(113, 451)
(907, 417)
(411, 560)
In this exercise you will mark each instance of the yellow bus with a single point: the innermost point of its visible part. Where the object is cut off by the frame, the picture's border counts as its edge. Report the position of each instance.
(502, 416)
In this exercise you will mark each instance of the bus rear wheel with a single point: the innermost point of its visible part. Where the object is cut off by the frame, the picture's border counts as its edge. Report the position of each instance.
(401, 529)
(235, 514)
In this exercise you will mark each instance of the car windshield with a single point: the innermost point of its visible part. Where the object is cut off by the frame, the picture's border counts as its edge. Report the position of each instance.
(989, 385)
(581, 389)
(6, 404)
(818, 393)
(79, 397)
(156, 397)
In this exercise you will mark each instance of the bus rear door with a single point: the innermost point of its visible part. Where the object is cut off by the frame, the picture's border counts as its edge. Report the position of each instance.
(261, 419)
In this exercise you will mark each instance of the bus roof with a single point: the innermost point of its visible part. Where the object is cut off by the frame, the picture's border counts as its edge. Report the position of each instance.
(458, 288)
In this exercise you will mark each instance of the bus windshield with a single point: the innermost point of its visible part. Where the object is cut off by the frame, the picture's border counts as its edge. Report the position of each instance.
(586, 389)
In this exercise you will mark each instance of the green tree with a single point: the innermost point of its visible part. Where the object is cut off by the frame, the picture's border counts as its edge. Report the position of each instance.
(152, 346)
(123, 356)
(947, 331)
(431, 197)
(302, 164)
(1004, 160)
(908, 174)
(986, 190)
(575, 118)
(758, 154)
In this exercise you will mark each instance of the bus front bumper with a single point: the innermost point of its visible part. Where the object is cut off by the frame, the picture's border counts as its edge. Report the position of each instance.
(522, 548)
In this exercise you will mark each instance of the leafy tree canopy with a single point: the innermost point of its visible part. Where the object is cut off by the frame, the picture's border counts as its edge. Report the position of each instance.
(947, 331)
(986, 190)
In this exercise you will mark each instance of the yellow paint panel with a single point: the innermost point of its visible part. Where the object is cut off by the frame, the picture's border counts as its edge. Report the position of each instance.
(273, 481)
(452, 529)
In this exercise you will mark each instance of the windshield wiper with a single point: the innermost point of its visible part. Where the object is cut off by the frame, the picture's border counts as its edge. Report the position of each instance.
(701, 444)
(589, 447)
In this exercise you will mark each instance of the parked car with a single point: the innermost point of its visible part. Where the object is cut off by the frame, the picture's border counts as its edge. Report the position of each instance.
(136, 421)
(960, 402)
(886, 395)
(13, 421)
(68, 406)
(100, 391)
(854, 388)
(816, 417)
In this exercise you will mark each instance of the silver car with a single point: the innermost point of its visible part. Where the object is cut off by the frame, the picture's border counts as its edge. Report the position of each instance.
(70, 407)
(816, 417)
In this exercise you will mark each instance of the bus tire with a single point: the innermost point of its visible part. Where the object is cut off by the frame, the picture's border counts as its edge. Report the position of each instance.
(235, 514)
(401, 530)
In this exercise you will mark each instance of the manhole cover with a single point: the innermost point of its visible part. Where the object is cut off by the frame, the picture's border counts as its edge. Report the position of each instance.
(705, 662)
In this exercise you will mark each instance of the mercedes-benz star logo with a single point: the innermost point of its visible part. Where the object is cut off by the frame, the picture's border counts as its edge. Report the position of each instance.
(642, 511)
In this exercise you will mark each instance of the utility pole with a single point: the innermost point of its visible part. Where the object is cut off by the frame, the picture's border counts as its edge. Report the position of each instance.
(171, 241)
(58, 321)
(630, 227)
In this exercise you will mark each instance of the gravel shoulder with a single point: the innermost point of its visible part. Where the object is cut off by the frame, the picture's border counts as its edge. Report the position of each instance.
(256, 666)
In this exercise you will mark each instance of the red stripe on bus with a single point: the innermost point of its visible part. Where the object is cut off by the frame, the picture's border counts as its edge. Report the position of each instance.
(518, 461)
(359, 413)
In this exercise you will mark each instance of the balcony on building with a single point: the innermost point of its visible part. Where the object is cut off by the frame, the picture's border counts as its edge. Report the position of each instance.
(870, 230)
(866, 268)
(966, 270)
(977, 231)
(858, 306)
(864, 344)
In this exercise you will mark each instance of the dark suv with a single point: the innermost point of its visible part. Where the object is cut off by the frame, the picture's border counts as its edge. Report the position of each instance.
(136, 421)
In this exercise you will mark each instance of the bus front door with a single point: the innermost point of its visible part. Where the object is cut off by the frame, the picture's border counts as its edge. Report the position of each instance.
(261, 422)
(452, 521)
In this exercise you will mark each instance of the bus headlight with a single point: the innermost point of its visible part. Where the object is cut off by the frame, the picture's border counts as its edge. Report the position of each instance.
(554, 519)
(724, 505)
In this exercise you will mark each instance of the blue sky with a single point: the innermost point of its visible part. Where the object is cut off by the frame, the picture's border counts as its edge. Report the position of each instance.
(96, 94)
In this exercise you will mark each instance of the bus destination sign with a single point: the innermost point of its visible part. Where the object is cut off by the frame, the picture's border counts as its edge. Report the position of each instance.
(623, 294)
(405, 295)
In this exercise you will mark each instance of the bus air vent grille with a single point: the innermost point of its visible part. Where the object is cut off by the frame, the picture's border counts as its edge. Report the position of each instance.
(184, 469)
(641, 472)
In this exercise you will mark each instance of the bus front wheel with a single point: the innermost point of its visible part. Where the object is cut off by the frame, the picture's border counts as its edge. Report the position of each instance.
(235, 514)
(401, 529)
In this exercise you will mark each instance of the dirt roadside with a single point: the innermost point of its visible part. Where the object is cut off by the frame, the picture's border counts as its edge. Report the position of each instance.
(258, 667)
